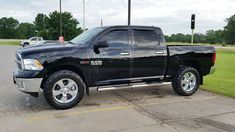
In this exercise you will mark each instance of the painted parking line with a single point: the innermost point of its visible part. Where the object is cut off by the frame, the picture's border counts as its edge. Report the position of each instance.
(121, 107)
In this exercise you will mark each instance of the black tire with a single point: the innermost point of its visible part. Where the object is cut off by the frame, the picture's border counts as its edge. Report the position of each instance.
(178, 86)
(26, 44)
(57, 76)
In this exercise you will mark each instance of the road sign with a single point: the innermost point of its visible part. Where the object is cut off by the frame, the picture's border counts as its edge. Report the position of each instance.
(193, 17)
(193, 21)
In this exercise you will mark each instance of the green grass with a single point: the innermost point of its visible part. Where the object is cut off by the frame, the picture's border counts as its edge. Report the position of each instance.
(180, 43)
(9, 42)
(223, 80)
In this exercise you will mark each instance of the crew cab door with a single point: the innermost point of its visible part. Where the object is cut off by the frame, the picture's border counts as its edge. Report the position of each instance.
(112, 58)
(150, 55)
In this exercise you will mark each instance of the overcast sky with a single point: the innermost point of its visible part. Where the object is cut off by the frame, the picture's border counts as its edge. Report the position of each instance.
(172, 16)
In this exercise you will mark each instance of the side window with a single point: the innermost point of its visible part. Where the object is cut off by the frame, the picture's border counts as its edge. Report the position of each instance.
(161, 36)
(34, 39)
(116, 38)
(145, 38)
(39, 39)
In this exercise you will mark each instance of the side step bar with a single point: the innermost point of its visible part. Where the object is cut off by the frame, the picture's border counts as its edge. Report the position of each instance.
(130, 86)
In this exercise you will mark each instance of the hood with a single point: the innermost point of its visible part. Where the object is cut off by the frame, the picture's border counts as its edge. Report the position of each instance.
(37, 49)
(22, 41)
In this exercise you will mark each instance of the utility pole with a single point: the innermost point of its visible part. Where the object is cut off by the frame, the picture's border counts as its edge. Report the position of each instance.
(192, 39)
(101, 22)
(61, 34)
(84, 21)
(129, 12)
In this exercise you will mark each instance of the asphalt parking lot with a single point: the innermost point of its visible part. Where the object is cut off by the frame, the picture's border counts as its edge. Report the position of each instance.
(155, 109)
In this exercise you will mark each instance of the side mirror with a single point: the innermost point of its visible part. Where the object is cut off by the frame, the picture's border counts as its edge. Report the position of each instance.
(100, 44)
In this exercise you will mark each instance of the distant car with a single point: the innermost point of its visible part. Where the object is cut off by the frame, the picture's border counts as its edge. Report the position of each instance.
(49, 42)
(31, 41)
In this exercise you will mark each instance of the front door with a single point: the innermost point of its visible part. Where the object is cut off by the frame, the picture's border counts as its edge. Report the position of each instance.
(113, 62)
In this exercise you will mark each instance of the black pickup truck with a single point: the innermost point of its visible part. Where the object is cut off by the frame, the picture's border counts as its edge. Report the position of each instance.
(109, 58)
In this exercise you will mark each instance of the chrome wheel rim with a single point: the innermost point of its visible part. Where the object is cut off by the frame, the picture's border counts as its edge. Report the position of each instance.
(65, 91)
(188, 81)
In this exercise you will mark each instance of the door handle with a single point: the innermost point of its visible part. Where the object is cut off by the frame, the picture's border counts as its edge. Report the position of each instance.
(125, 54)
(160, 52)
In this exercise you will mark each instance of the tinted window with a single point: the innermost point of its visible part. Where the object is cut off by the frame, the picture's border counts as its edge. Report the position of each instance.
(117, 38)
(34, 39)
(39, 39)
(145, 38)
(161, 37)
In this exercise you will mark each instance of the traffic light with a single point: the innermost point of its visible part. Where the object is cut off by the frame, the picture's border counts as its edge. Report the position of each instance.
(193, 21)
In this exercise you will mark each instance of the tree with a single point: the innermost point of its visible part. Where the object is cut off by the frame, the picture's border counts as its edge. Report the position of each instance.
(49, 26)
(8, 28)
(40, 21)
(26, 30)
(43, 33)
(199, 38)
(214, 37)
(229, 30)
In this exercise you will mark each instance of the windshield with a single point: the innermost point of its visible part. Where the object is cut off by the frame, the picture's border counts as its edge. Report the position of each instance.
(84, 37)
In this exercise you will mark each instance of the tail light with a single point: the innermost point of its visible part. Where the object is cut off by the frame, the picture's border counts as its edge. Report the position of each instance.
(214, 58)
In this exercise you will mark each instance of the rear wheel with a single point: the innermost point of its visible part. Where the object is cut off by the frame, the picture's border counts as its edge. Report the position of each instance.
(64, 89)
(186, 81)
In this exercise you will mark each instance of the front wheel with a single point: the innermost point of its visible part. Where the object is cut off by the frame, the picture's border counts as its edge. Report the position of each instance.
(26, 45)
(63, 89)
(186, 81)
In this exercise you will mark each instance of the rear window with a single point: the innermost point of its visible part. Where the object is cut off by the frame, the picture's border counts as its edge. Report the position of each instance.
(145, 38)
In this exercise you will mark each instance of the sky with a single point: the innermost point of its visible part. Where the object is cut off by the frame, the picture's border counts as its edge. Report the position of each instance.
(173, 16)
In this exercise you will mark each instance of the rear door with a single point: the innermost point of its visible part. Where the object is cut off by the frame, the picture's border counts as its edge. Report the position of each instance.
(150, 55)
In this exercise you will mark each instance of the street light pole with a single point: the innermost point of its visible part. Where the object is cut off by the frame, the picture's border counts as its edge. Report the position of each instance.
(101, 22)
(84, 19)
(129, 12)
(60, 21)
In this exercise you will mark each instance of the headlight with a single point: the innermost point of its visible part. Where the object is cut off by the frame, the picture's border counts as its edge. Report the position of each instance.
(31, 64)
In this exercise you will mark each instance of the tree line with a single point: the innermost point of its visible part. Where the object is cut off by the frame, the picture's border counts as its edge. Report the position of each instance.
(225, 36)
(210, 36)
(46, 26)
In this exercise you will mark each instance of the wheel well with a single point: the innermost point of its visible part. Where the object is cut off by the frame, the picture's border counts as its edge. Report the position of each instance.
(195, 65)
(70, 68)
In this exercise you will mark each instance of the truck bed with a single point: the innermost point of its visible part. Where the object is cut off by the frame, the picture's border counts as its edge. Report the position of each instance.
(192, 55)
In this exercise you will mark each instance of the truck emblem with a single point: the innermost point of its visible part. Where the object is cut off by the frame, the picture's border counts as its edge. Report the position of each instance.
(84, 62)
(96, 63)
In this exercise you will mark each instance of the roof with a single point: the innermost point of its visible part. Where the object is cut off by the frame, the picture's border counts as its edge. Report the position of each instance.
(135, 26)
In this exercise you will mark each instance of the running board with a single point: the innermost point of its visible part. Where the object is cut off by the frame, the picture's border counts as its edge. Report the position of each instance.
(130, 86)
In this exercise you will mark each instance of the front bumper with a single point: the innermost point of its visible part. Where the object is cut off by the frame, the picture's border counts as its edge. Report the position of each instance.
(212, 70)
(29, 86)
